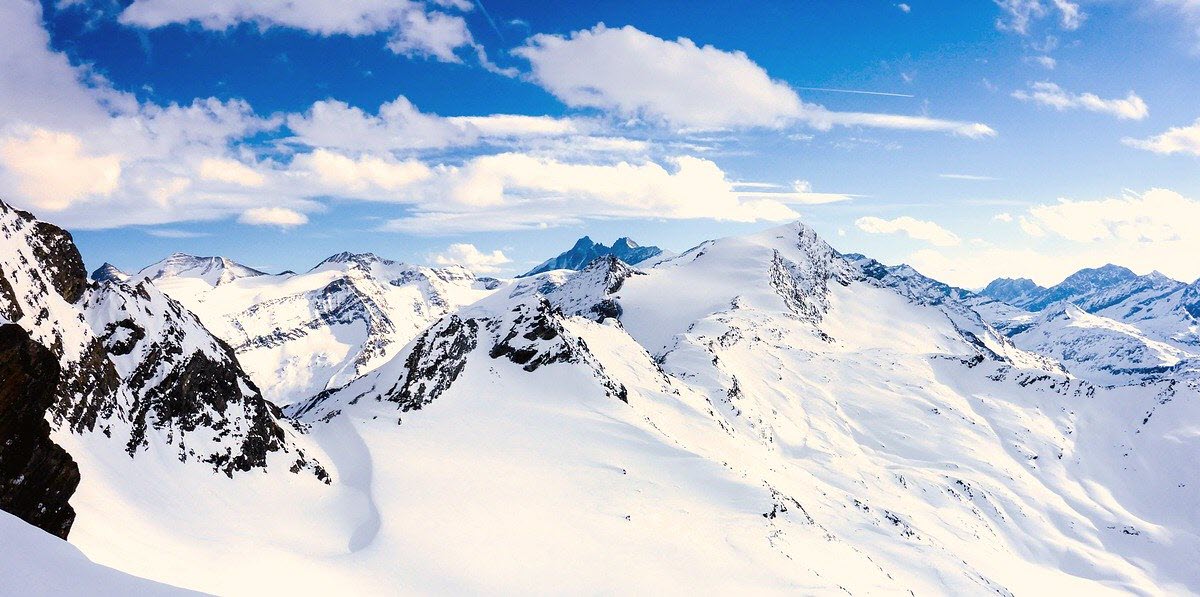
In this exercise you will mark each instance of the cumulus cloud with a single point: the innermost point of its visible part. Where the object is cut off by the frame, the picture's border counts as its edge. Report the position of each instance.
(638, 75)
(1046, 93)
(415, 29)
(1177, 139)
(273, 216)
(1158, 215)
(635, 75)
(101, 158)
(1018, 15)
(52, 171)
(914, 228)
(468, 256)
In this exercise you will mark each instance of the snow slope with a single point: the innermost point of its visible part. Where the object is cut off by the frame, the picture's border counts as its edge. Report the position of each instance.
(36, 563)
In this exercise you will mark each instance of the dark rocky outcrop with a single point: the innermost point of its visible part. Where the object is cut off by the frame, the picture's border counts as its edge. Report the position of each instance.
(37, 476)
(62, 262)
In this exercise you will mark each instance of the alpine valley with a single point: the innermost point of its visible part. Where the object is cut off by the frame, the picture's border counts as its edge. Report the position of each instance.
(758, 414)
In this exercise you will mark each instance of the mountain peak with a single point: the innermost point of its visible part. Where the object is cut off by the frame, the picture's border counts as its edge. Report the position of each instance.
(585, 251)
(1014, 291)
(625, 243)
(213, 270)
(354, 259)
(109, 273)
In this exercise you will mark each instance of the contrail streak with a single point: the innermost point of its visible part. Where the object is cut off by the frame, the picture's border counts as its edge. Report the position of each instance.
(483, 10)
(859, 91)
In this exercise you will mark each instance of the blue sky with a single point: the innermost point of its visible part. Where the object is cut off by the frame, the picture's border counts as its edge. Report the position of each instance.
(1018, 137)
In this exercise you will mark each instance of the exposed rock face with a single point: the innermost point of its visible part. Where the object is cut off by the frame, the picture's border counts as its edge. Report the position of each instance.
(592, 292)
(64, 266)
(132, 364)
(37, 477)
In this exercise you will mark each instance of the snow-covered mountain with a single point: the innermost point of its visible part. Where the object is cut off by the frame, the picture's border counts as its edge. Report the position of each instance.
(212, 271)
(1109, 324)
(1018, 292)
(1097, 348)
(1110, 287)
(109, 273)
(299, 334)
(120, 369)
(759, 414)
(586, 251)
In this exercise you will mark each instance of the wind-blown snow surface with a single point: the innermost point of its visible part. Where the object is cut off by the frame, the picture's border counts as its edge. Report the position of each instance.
(298, 334)
(37, 563)
(764, 416)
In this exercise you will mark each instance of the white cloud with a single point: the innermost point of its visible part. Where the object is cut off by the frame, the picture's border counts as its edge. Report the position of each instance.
(399, 125)
(635, 75)
(119, 161)
(1177, 139)
(108, 160)
(1046, 62)
(341, 173)
(230, 171)
(1003, 217)
(415, 30)
(823, 119)
(972, 177)
(517, 191)
(801, 193)
(52, 171)
(1070, 16)
(1019, 15)
(466, 255)
(914, 228)
(1155, 216)
(518, 125)
(1030, 227)
(273, 216)
(904, 7)
(1049, 94)
(431, 34)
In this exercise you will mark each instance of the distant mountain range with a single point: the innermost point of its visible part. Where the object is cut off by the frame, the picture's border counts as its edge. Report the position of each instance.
(586, 251)
(817, 422)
